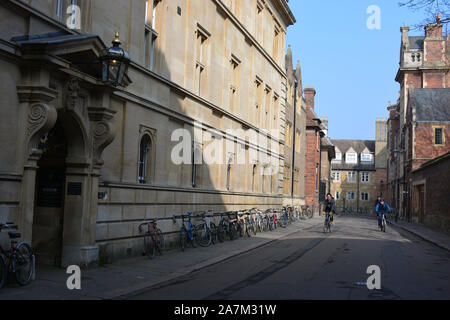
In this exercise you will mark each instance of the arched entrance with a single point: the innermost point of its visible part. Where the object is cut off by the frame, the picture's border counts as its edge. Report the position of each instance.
(49, 201)
(63, 193)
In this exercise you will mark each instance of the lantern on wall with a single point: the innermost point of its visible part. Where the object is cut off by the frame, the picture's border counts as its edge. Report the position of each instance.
(115, 62)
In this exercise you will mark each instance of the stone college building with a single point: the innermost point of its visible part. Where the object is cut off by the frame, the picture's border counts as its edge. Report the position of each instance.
(83, 162)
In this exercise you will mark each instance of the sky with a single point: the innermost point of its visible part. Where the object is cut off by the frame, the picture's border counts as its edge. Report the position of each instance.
(352, 67)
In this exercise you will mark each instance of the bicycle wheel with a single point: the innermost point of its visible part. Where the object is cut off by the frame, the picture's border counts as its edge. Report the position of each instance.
(160, 244)
(203, 235)
(183, 238)
(23, 261)
(221, 232)
(253, 227)
(149, 245)
(193, 238)
(3, 271)
(309, 213)
(213, 229)
(232, 232)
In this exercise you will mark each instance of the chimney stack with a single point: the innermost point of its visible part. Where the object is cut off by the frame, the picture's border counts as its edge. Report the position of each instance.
(405, 37)
(310, 94)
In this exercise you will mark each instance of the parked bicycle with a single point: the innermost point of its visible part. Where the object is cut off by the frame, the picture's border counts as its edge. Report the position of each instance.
(243, 226)
(188, 234)
(153, 239)
(18, 259)
(250, 223)
(226, 228)
(204, 234)
(211, 226)
(307, 212)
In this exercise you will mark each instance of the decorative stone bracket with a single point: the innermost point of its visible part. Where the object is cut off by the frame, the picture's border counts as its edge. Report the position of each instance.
(41, 116)
(103, 131)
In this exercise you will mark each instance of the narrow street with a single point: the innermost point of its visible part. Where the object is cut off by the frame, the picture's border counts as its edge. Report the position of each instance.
(312, 265)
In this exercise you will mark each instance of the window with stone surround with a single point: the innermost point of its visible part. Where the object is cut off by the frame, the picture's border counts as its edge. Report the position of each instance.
(287, 179)
(337, 195)
(234, 84)
(150, 33)
(259, 21)
(438, 139)
(297, 141)
(365, 177)
(200, 58)
(364, 196)
(351, 176)
(144, 159)
(268, 107)
(276, 109)
(336, 176)
(288, 134)
(59, 10)
(276, 42)
(350, 195)
(258, 102)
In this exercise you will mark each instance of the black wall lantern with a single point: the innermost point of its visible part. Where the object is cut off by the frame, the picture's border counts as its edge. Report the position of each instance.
(115, 62)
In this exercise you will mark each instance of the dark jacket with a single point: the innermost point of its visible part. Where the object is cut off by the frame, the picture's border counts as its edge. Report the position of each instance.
(330, 206)
(383, 208)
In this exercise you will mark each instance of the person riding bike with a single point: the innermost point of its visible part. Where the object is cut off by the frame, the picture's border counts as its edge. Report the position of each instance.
(376, 203)
(381, 209)
(330, 207)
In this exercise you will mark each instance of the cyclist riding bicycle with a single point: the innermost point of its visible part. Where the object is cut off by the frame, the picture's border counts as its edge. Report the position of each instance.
(376, 203)
(330, 207)
(381, 209)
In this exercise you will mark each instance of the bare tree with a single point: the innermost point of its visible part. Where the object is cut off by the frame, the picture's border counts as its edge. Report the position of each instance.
(432, 8)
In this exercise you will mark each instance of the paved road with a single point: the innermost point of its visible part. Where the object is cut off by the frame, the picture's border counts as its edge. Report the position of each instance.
(312, 265)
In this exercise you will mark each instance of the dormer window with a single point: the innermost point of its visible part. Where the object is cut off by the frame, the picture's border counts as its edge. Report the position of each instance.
(351, 158)
(338, 158)
(366, 157)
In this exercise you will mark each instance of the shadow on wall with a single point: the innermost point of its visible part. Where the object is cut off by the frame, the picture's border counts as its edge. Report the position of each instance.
(141, 180)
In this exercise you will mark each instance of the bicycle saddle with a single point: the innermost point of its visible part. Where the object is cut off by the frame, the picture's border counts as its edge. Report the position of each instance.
(14, 235)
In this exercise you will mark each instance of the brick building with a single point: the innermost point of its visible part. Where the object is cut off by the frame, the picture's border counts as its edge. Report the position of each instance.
(423, 77)
(430, 203)
(315, 132)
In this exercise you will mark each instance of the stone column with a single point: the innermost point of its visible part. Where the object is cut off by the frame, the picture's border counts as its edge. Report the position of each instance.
(38, 118)
(81, 206)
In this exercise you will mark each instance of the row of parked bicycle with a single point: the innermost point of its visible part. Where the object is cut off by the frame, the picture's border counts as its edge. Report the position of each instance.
(232, 225)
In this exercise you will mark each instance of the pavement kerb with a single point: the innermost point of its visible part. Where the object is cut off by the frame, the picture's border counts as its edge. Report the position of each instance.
(134, 290)
(419, 235)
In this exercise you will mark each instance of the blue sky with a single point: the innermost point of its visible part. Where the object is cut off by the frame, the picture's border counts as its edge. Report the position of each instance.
(351, 67)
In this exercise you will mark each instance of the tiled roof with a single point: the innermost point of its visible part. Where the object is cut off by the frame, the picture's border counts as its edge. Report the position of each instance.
(430, 104)
(416, 43)
(358, 145)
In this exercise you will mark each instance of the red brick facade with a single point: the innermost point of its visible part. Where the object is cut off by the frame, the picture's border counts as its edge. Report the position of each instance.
(413, 141)
(430, 204)
(424, 148)
(312, 170)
